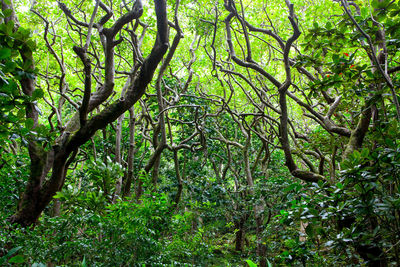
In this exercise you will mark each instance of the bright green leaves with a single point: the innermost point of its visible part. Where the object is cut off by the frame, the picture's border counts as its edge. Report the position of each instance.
(6, 13)
(341, 70)
(7, 28)
(12, 109)
(390, 16)
(323, 38)
(17, 46)
(328, 25)
(16, 64)
(376, 4)
(250, 263)
(394, 10)
(339, 51)
(16, 49)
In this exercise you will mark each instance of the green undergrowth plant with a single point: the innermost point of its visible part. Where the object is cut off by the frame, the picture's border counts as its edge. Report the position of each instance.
(359, 210)
(126, 233)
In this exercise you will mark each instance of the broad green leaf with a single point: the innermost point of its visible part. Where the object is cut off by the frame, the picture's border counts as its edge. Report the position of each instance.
(251, 263)
(5, 53)
(7, 13)
(17, 259)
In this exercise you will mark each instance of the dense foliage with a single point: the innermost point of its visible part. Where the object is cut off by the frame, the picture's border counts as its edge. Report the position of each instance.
(202, 133)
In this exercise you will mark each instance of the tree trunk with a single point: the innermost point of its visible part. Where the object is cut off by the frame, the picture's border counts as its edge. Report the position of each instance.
(118, 157)
(131, 154)
(240, 233)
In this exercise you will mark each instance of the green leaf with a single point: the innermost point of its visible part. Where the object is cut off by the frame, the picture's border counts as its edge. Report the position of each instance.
(356, 154)
(59, 194)
(38, 93)
(289, 188)
(17, 259)
(339, 185)
(10, 66)
(21, 113)
(328, 25)
(7, 13)
(31, 44)
(335, 58)
(84, 262)
(9, 254)
(5, 53)
(364, 152)
(27, 65)
(310, 230)
(10, 27)
(251, 263)
(364, 12)
(375, 4)
(29, 123)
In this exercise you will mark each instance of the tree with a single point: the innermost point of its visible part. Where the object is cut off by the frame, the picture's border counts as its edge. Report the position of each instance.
(54, 162)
